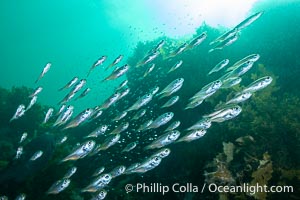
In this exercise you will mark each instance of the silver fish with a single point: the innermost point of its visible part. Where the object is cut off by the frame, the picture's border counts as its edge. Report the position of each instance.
(204, 123)
(48, 115)
(226, 113)
(162, 153)
(242, 69)
(97, 113)
(98, 183)
(148, 58)
(179, 50)
(79, 119)
(207, 89)
(84, 93)
(62, 140)
(124, 93)
(225, 43)
(45, 70)
(31, 103)
(239, 98)
(63, 117)
(219, 66)
(197, 41)
(172, 126)
(170, 89)
(252, 57)
(164, 140)
(23, 137)
(192, 135)
(115, 62)
(120, 116)
(129, 147)
(78, 86)
(98, 62)
(170, 102)
(61, 109)
(98, 171)
(259, 84)
(70, 173)
(249, 20)
(147, 165)
(81, 151)
(149, 70)
(139, 114)
(111, 100)
(154, 90)
(19, 152)
(118, 72)
(108, 142)
(196, 102)
(145, 125)
(161, 120)
(101, 195)
(144, 100)
(67, 98)
(225, 36)
(176, 66)
(117, 171)
(121, 128)
(130, 168)
(158, 46)
(59, 186)
(21, 197)
(123, 84)
(98, 131)
(69, 84)
(36, 155)
(19, 112)
(36, 92)
(230, 82)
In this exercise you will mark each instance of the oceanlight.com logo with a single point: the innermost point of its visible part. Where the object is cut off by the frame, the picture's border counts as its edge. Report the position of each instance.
(189, 187)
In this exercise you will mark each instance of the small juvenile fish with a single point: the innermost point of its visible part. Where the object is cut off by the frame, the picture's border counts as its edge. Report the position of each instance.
(145, 125)
(139, 114)
(123, 84)
(179, 50)
(98, 131)
(121, 128)
(36, 92)
(31, 103)
(170, 102)
(108, 142)
(259, 84)
(142, 101)
(204, 123)
(164, 140)
(225, 43)
(230, 82)
(148, 58)
(242, 69)
(252, 57)
(80, 118)
(149, 70)
(116, 61)
(195, 102)
(70, 173)
(78, 86)
(130, 168)
(23, 137)
(226, 113)
(67, 98)
(111, 100)
(62, 140)
(63, 117)
(97, 113)
(21, 197)
(120, 116)
(99, 171)
(101, 195)
(161, 120)
(98, 183)
(19, 153)
(48, 115)
(197, 41)
(61, 109)
(98, 62)
(207, 89)
(129, 147)
(118, 72)
(36, 155)
(124, 93)
(162, 153)
(45, 70)
(170, 89)
(69, 84)
(219, 66)
(239, 98)
(81, 151)
(84, 93)
(192, 135)
(117, 171)
(172, 126)
(249, 20)
(19, 112)
(147, 165)
(158, 46)
(177, 65)
(154, 90)
(59, 186)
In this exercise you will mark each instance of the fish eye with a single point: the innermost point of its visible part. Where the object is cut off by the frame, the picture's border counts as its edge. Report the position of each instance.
(106, 176)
